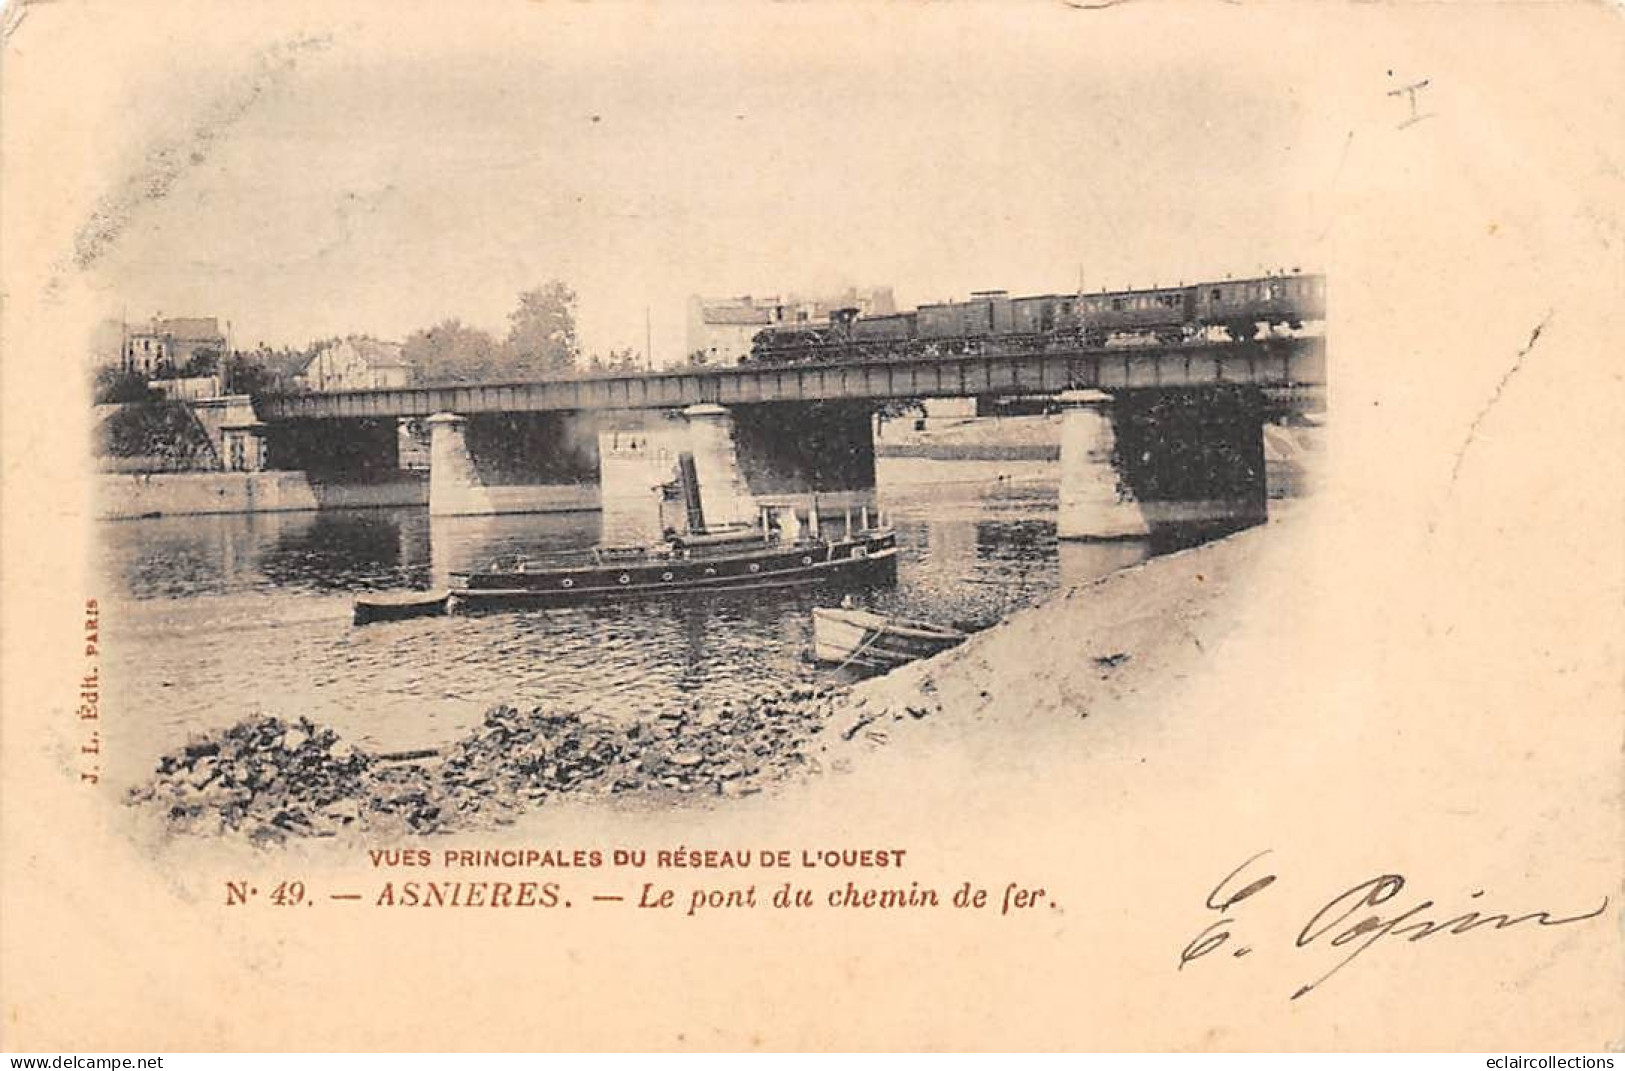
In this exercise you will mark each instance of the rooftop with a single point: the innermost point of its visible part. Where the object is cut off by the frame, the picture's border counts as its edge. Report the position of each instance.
(182, 328)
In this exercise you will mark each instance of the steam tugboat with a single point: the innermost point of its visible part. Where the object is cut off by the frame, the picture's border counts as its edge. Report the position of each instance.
(779, 551)
(745, 558)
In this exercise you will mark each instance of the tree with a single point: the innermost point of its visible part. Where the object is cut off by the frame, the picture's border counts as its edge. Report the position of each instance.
(244, 375)
(204, 361)
(157, 429)
(542, 332)
(453, 352)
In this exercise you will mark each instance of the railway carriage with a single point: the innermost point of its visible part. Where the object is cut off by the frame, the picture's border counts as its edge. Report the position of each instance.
(1162, 314)
(1039, 315)
(1241, 305)
(993, 321)
(884, 336)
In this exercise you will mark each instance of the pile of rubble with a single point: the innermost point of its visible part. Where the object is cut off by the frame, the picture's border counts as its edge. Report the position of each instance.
(727, 749)
(272, 780)
(265, 777)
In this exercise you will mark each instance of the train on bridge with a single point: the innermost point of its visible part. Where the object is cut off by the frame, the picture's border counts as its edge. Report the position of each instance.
(994, 322)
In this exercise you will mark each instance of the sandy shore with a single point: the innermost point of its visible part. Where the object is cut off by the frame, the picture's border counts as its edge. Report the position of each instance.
(1078, 654)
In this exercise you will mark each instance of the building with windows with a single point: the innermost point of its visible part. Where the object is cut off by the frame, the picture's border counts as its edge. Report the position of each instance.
(721, 330)
(356, 364)
(161, 346)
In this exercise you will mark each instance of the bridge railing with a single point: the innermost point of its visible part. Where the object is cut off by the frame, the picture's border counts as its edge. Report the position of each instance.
(1265, 363)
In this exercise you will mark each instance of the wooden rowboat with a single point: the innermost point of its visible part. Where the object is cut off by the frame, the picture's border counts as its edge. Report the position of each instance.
(860, 638)
(396, 606)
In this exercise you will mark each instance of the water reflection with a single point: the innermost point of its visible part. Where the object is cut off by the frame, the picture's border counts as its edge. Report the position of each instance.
(1084, 562)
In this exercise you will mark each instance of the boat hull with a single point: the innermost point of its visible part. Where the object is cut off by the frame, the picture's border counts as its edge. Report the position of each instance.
(398, 607)
(862, 560)
(857, 638)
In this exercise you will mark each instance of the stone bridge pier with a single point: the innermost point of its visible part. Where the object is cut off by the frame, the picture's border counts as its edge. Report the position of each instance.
(511, 463)
(725, 495)
(1096, 501)
(746, 457)
(784, 455)
(1159, 465)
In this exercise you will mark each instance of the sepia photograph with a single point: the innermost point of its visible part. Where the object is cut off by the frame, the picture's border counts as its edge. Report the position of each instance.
(812, 527)
(505, 541)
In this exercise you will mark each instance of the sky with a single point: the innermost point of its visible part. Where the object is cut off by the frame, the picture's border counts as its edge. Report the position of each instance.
(380, 172)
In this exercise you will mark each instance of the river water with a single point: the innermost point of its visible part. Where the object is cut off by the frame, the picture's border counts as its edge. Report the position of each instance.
(212, 619)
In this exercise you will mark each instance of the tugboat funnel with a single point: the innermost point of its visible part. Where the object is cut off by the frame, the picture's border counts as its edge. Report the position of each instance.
(688, 482)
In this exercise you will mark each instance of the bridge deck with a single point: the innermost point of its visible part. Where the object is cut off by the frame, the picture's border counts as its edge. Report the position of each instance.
(1299, 362)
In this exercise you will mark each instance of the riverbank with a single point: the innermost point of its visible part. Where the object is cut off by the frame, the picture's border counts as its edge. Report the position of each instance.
(129, 495)
(1074, 655)
(126, 496)
(269, 780)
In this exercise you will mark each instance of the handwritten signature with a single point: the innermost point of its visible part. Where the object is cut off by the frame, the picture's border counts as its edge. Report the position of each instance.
(1356, 918)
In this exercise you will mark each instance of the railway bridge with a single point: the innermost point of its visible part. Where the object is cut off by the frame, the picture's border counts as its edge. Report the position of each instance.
(1150, 433)
(1275, 363)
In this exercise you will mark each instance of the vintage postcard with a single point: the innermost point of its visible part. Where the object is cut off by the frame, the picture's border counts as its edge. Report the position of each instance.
(538, 526)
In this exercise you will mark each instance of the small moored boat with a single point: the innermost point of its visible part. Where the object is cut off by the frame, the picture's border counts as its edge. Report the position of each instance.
(860, 638)
(398, 605)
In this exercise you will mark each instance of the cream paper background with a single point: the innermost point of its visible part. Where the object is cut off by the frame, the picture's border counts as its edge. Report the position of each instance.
(1424, 673)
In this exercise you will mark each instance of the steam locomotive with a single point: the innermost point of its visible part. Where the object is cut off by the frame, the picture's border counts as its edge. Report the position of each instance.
(994, 322)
